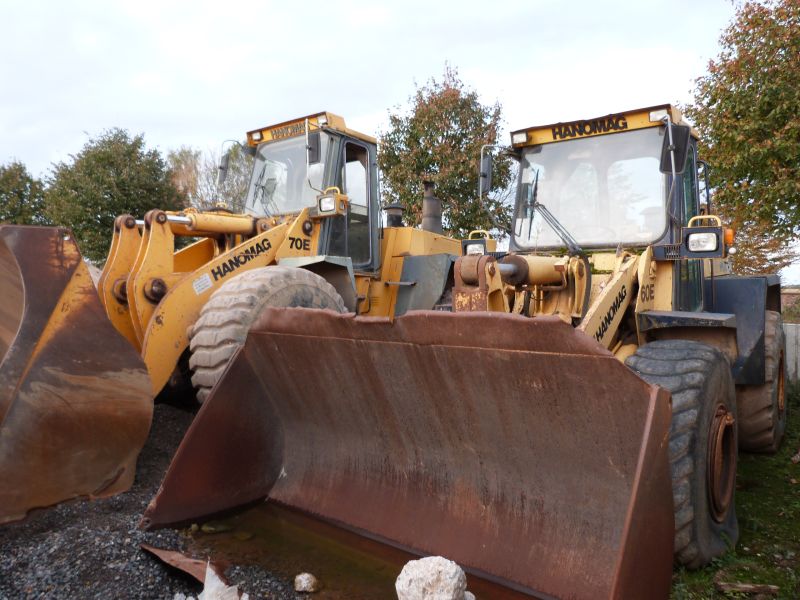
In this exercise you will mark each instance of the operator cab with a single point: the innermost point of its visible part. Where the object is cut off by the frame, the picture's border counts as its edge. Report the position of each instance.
(296, 162)
(622, 181)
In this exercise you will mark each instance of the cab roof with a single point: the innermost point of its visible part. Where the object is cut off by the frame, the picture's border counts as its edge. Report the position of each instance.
(295, 127)
(638, 118)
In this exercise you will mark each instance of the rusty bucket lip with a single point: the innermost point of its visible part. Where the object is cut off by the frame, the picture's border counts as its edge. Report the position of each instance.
(721, 462)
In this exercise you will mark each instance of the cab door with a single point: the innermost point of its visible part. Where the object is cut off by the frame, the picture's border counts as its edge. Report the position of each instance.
(689, 274)
(355, 235)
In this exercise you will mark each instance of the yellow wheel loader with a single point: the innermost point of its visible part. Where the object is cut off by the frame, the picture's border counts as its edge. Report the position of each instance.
(81, 367)
(569, 430)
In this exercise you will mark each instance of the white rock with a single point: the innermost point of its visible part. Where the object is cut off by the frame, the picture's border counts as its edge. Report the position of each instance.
(306, 582)
(215, 589)
(469, 596)
(431, 578)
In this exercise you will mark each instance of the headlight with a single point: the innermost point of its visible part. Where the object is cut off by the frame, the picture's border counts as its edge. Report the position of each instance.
(658, 115)
(519, 138)
(474, 248)
(702, 242)
(327, 204)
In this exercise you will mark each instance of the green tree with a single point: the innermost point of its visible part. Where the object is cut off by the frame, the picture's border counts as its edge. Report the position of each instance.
(21, 196)
(440, 139)
(113, 174)
(746, 109)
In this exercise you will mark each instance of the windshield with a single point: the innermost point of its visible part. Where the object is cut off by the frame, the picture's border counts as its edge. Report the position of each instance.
(605, 190)
(279, 183)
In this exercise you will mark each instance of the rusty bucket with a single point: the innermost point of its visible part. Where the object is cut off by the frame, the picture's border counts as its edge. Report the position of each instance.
(517, 447)
(75, 398)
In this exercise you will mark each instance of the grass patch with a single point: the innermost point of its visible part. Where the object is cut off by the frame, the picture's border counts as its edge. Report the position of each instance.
(768, 507)
(791, 314)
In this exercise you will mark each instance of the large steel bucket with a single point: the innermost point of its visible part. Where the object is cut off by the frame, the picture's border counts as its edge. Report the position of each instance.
(75, 398)
(517, 447)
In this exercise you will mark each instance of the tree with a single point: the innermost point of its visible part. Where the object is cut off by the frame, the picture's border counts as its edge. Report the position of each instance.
(113, 174)
(184, 166)
(195, 173)
(746, 109)
(440, 140)
(758, 250)
(21, 196)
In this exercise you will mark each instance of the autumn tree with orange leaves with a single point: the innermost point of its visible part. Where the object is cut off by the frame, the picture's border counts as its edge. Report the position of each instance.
(747, 110)
(440, 139)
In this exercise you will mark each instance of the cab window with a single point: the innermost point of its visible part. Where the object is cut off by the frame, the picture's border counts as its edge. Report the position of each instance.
(690, 297)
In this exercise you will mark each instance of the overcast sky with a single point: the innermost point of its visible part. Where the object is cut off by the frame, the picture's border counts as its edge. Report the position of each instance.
(200, 72)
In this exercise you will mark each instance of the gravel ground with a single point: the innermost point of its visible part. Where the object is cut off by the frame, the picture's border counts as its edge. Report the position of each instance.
(91, 549)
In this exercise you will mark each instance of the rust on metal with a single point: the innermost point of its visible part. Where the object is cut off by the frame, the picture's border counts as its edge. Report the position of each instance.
(721, 468)
(193, 566)
(477, 286)
(75, 399)
(155, 290)
(517, 447)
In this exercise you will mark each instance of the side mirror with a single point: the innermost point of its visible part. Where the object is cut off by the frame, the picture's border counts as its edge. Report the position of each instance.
(676, 143)
(313, 148)
(222, 173)
(485, 179)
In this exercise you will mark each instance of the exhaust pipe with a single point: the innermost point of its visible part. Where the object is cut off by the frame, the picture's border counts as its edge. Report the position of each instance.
(431, 209)
(394, 214)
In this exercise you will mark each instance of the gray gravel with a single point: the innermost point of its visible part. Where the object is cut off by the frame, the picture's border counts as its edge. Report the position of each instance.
(91, 549)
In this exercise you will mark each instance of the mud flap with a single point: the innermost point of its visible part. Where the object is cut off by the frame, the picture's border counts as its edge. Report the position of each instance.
(75, 397)
(517, 447)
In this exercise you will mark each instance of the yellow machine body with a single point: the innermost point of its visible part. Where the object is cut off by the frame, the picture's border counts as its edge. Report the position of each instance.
(506, 434)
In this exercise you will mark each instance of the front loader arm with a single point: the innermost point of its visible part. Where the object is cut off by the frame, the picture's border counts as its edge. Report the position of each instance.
(111, 287)
(159, 268)
(530, 285)
(166, 336)
(605, 314)
(153, 294)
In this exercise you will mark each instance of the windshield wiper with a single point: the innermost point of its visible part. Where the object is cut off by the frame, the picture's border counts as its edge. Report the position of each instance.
(533, 204)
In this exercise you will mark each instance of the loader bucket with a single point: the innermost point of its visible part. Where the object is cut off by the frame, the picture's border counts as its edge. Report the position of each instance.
(517, 447)
(75, 398)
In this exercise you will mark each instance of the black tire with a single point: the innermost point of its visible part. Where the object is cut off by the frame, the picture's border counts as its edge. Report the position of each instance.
(226, 318)
(179, 391)
(703, 427)
(762, 408)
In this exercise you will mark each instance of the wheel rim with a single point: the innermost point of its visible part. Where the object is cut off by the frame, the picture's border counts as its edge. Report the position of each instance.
(721, 468)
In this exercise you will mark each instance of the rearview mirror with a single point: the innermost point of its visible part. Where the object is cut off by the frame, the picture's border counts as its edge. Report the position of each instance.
(485, 179)
(222, 173)
(313, 148)
(677, 143)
